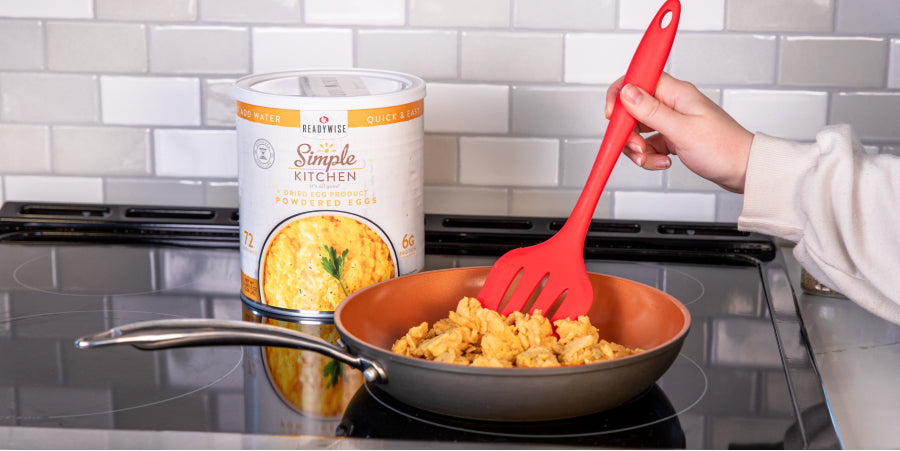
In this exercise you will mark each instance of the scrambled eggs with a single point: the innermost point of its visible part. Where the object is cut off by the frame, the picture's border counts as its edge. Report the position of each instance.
(473, 335)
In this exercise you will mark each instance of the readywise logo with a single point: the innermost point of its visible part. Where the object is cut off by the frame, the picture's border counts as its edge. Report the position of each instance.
(323, 124)
(325, 155)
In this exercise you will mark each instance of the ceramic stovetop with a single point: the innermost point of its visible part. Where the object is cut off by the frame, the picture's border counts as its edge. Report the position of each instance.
(744, 378)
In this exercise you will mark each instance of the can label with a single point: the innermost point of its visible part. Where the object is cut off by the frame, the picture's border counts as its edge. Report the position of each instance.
(330, 199)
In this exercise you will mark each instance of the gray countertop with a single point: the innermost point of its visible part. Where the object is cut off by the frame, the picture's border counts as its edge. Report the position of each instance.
(858, 358)
(62, 438)
(17, 437)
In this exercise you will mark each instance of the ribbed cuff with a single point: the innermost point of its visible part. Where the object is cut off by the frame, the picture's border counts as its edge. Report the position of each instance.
(771, 191)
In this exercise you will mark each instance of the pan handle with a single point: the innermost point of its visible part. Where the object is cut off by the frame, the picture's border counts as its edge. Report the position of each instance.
(177, 333)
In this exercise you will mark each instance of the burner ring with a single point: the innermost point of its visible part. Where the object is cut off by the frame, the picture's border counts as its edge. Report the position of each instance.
(481, 428)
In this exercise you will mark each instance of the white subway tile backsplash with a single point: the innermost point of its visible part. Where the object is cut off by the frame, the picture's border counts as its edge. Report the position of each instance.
(149, 191)
(146, 85)
(508, 161)
(25, 149)
(221, 194)
(150, 100)
(664, 206)
(778, 15)
(521, 56)
(53, 188)
(868, 16)
(57, 9)
(441, 159)
(188, 49)
(724, 59)
(894, 66)
(629, 176)
(355, 12)
(552, 111)
(565, 14)
(148, 10)
(786, 114)
(96, 47)
(219, 105)
(463, 108)
(279, 49)
(118, 151)
(682, 178)
(49, 98)
(256, 11)
(2, 195)
(833, 61)
(459, 13)
(728, 206)
(466, 200)
(576, 159)
(714, 94)
(706, 15)
(872, 114)
(195, 153)
(553, 203)
(578, 156)
(429, 54)
(21, 45)
(598, 58)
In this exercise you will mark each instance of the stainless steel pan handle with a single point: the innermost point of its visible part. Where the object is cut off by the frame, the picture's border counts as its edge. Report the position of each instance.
(176, 333)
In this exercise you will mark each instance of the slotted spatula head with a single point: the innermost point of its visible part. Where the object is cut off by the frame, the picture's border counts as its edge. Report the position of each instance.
(551, 276)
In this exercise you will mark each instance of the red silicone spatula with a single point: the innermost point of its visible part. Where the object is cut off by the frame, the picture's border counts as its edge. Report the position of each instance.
(558, 263)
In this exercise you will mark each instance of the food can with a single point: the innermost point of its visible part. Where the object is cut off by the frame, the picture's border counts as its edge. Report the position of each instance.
(294, 392)
(330, 182)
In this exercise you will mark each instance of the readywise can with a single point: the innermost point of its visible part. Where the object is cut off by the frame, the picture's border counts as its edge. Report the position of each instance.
(330, 180)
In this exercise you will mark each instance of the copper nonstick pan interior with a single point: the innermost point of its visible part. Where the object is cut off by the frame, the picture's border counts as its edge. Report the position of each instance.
(624, 311)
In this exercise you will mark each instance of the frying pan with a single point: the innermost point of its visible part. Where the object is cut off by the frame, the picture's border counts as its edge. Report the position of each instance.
(371, 319)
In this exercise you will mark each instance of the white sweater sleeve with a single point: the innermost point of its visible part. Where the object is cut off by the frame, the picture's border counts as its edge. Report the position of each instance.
(840, 205)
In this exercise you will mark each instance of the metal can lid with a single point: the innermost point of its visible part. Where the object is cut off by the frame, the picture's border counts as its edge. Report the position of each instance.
(329, 89)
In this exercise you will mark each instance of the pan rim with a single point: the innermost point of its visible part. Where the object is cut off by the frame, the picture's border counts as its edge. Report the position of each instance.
(381, 355)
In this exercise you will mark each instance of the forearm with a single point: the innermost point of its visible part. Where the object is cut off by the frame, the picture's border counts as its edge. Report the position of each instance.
(838, 204)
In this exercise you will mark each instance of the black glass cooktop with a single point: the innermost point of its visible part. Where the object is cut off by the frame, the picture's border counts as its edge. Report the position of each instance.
(743, 379)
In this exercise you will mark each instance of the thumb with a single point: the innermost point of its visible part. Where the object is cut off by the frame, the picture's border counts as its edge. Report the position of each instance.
(647, 109)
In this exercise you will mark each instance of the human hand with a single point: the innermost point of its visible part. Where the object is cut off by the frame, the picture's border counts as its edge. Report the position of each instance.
(706, 139)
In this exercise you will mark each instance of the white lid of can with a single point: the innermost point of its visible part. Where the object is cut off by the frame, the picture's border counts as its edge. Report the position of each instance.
(329, 89)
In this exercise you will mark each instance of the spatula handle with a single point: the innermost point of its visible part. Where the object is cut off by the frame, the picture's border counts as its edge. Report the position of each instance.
(644, 71)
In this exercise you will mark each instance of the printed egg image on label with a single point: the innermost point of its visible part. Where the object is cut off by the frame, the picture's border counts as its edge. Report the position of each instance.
(316, 259)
